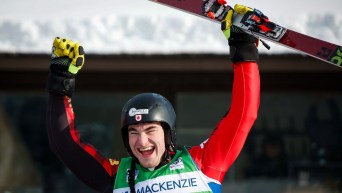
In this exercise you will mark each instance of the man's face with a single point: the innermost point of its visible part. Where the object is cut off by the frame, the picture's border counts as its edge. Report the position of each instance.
(147, 143)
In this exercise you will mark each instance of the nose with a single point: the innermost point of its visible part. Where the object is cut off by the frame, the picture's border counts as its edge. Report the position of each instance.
(142, 139)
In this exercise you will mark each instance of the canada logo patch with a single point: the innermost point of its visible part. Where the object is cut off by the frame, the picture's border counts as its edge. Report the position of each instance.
(138, 117)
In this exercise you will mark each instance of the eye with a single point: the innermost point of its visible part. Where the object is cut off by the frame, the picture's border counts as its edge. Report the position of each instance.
(151, 131)
(132, 132)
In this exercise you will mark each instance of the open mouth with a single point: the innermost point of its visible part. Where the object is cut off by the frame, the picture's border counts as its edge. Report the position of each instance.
(146, 151)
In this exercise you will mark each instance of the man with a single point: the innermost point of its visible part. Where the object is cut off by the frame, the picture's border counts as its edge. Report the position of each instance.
(148, 130)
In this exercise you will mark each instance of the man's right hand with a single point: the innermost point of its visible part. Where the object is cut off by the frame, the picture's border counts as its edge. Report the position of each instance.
(67, 60)
(67, 48)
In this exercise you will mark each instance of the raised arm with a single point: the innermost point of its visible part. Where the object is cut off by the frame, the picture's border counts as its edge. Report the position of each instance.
(218, 153)
(81, 158)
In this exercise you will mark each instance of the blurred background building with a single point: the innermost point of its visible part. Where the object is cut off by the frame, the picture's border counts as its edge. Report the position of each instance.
(295, 143)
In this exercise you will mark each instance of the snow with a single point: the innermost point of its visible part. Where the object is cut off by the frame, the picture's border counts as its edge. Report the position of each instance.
(146, 32)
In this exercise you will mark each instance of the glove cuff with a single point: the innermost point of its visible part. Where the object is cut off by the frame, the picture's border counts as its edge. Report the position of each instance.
(61, 85)
(242, 46)
(60, 80)
(244, 52)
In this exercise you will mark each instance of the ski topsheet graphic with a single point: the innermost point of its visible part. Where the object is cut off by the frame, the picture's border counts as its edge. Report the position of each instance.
(257, 24)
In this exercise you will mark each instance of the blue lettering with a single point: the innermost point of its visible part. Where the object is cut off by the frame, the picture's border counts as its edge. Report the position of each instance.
(142, 190)
(176, 184)
(184, 182)
(148, 189)
(193, 182)
(153, 189)
(161, 186)
(169, 185)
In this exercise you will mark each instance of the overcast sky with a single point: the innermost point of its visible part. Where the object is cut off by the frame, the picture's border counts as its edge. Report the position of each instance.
(141, 26)
(44, 9)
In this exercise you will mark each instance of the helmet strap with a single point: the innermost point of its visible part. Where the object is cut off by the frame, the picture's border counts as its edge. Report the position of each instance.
(131, 176)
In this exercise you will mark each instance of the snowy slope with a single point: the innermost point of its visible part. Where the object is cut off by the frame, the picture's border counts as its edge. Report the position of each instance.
(136, 34)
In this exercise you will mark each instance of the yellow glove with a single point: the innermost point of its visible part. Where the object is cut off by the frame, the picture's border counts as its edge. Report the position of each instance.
(67, 48)
(241, 9)
(226, 23)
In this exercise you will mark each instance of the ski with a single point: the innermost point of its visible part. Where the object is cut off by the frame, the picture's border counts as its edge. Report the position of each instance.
(256, 23)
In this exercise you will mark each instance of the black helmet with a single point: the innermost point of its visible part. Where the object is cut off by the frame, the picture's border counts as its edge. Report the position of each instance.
(149, 107)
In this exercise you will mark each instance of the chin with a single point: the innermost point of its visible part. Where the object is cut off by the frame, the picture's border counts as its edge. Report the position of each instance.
(148, 165)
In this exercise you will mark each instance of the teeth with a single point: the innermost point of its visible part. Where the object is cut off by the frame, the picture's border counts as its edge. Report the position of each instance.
(145, 148)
